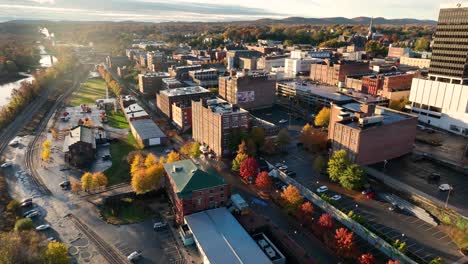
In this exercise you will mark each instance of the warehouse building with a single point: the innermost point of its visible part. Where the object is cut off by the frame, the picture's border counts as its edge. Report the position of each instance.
(147, 133)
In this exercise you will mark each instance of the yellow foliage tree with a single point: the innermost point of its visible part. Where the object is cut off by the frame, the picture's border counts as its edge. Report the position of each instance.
(151, 160)
(99, 180)
(292, 196)
(46, 144)
(56, 253)
(137, 163)
(173, 156)
(45, 154)
(323, 117)
(139, 182)
(87, 181)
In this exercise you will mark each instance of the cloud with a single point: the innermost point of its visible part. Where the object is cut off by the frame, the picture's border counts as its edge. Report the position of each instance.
(43, 1)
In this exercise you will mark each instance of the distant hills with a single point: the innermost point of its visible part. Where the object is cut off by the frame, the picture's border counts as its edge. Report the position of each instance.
(344, 20)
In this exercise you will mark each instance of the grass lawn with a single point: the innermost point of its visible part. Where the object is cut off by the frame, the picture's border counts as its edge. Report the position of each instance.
(120, 170)
(88, 92)
(126, 211)
(117, 119)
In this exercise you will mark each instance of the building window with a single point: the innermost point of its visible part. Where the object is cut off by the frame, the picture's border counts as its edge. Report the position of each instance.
(211, 199)
(455, 128)
(221, 195)
(211, 191)
(199, 201)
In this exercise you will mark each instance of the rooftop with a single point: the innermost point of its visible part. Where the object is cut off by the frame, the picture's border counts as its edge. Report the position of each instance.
(223, 239)
(155, 74)
(329, 92)
(188, 177)
(220, 106)
(184, 91)
(79, 134)
(146, 129)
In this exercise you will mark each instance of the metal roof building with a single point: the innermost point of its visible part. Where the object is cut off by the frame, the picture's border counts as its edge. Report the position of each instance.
(147, 132)
(221, 239)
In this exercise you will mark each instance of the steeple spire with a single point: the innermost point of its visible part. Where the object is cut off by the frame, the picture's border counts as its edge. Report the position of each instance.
(369, 34)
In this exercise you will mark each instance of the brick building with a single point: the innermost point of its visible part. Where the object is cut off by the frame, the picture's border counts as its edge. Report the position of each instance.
(154, 57)
(397, 52)
(214, 121)
(370, 133)
(375, 84)
(263, 49)
(206, 77)
(151, 83)
(193, 190)
(181, 73)
(166, 98)
(233, 56)
(182, 115)
(332, 73)
(249, 90)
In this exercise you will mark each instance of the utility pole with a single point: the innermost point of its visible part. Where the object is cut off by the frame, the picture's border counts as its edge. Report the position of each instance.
(448, 196)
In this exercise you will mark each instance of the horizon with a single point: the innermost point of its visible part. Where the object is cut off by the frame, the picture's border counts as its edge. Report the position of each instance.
(157, 11)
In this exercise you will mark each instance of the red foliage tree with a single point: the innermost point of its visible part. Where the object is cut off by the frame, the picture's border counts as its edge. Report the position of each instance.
(393, 262)
(305, 213)
(366, 259)
(326, 222)
(344, 242)
(263, 181)
(248, 168)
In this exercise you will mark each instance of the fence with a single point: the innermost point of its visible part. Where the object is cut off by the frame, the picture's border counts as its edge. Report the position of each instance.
(357, 228)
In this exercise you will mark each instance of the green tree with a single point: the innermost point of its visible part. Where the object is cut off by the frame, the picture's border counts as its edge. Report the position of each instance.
(353, 177)
(257, 134)
(399, 105)
(283, 138)
(323, 117)
(56, 253)
(23, 224)
(337, 165)
(195, 150)
(319, 163)
(332, 43)
(422, 44)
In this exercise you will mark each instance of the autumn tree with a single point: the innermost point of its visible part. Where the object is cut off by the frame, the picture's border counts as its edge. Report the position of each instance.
(366, 259)
(238, 160)
(326, 222)
(437, 260)
(45, 154)
(257, 134)
(305, 213)
(353, 177)
(337, 164)
(242, 148)
(323, 117)
(248, 168)
(76, 186)
(99, 180)
(269, 147)
(139, 182)
(185, 149)
(422, 44)
(173, 157)
(393, 262)
(87, 181)
(283, 138)
(344, 242)
(292, 196)
(46, 144)
(136, 163)
(150, 160)
(56, 253)
(195, 150)
(313, 139)
(263, 181)
(251, 148)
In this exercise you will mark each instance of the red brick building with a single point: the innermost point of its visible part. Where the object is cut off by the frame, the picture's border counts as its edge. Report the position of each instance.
(332, 73)
(374, 84)
(193, 190)
(370, 133)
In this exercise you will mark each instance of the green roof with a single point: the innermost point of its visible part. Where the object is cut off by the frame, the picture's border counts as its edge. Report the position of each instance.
(188, 177)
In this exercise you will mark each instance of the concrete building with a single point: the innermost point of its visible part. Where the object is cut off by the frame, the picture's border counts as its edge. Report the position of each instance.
(294, 66)
(221, 239)
(397, 52)
(206, 77)
(214, 121)
(79, 146)
(192, 189)
(122, 71)
(266, 63)
(181, 73)
(333, 73)
(312, 93)
(147, 133)
(416, 62)
(166, 98)
(370, 133)
(170, 83)
(151, 83)
(233, 56)
(154, 57)
(248, 63)
(442, 99)
(249, 90)
(117, 61)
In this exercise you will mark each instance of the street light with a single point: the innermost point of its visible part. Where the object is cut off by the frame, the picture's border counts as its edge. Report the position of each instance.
(448, 196)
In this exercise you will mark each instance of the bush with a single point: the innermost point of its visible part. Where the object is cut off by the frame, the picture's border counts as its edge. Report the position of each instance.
(24, 224)
(462, 223)
(13, 206)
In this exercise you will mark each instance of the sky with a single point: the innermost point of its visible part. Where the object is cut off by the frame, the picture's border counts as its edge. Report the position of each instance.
(209, 10)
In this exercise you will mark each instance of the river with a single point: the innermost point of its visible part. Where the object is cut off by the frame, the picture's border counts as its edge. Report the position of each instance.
(5, 89)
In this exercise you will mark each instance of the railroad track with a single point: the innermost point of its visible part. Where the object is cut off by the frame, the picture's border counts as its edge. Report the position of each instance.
(107, 189)
(106, 250)
(31, 151)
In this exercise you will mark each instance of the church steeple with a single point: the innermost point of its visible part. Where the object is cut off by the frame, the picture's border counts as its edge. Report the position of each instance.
(370, 33)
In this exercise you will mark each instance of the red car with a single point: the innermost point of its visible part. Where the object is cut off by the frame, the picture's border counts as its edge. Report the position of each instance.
(370, 195)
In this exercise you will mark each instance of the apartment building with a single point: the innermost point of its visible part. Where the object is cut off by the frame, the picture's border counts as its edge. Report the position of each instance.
(181, 73)
(416, 62)
(214, 121)
(397, 52)
(332, 73)
(182, 116)
(206, 77)
(267, 63)
(295, 66)
(248, 90)
(371, 133)
(233, 56)
(171, 83)
(151, 83)
(166, 98)
(154, 57)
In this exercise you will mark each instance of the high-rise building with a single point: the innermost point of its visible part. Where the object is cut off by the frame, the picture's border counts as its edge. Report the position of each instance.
(214, 121)
(151, 83)
(449, 61)
(442, 99)
(166, 98)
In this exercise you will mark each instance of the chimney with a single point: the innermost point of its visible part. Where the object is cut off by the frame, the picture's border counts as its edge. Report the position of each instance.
(232, 73)
(367, 109)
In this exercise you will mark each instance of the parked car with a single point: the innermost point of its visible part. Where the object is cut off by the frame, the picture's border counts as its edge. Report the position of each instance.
(159, 225)
(336, 197)
(33, 214)
(134, 255)
(26, 204)
(433, 177)
(106, 157)
(43, 227)
(6, 165)
(51, 239)
(65, 185)
(291, 174)
(30, 212)
(283, 168)
(26, 200)
(367, 190)
(445, 187)
(371, 195)
(278, 165)
(322, 189)
(283, 121)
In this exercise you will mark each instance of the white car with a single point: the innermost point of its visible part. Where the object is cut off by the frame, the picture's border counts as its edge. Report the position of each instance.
(30, 212)
(336, 197)
(43, 227)
(279, 165)
(134, 255)
(283, 121)
(6, 165)
(32, 215)
(26, 200)
(284, 167)
(159, 225)
(322, 189)
(445, 187)
(51, 239)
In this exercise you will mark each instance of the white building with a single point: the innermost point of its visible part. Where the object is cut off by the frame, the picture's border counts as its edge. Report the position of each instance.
(293, 66)
(266, 63)
(440, 104)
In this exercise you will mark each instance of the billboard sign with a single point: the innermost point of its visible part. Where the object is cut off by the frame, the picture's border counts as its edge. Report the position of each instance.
(246, 97)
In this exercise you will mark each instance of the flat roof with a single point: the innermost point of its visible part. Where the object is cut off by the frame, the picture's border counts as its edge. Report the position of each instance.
(155, 74)
(390, 116)
(220, 106)
(184, 91)
(146, 129)
(223, 239)
(325, 91)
